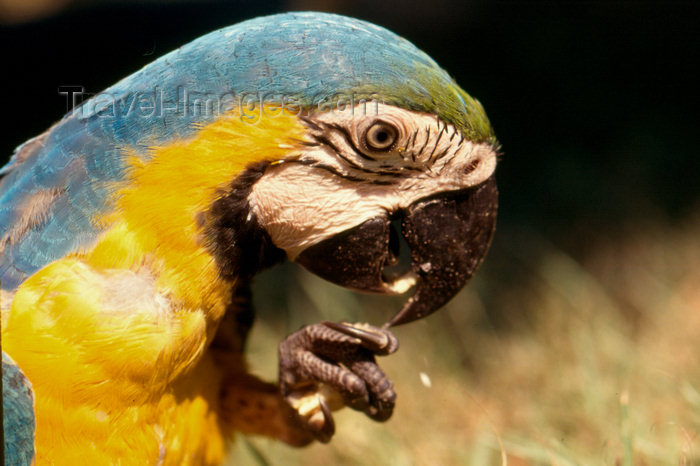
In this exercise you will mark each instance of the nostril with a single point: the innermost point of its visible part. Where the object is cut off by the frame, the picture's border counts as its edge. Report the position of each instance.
(473, 165)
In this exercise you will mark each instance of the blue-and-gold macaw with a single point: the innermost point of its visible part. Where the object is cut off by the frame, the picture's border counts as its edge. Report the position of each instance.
(130, 231)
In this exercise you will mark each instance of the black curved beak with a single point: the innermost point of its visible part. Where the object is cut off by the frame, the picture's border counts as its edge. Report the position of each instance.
(448, 236)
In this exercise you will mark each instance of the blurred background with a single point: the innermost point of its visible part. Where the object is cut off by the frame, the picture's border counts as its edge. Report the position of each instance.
(577, 342)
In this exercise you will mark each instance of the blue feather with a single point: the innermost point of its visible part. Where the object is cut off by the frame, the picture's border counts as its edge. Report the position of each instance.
(18, 415)
(308, 56)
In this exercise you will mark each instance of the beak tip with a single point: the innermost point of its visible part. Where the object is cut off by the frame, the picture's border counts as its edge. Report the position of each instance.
(448, 238)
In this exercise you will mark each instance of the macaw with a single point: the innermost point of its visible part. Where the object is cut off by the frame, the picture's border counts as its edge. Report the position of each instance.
(131, 229)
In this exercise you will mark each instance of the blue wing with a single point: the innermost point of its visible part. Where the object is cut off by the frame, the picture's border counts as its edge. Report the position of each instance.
(18, 415)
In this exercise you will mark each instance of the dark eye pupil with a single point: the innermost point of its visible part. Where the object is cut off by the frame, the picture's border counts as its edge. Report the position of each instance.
(380, 136)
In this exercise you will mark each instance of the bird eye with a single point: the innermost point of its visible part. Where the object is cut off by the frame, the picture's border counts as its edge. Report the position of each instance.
(380, 136)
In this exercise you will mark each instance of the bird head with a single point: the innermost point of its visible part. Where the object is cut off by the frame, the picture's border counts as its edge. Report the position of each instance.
(336, 206)
(389, 146)
(311, 136)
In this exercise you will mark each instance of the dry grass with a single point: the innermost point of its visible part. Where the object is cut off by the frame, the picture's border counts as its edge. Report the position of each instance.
(542, 360)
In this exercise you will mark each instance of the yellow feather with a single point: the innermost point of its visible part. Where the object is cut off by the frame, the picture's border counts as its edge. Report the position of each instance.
(114, 339)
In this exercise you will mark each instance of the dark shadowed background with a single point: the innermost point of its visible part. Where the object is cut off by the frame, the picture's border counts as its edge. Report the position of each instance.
(596, 106)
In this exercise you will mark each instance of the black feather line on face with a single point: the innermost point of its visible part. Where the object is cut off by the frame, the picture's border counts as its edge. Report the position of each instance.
(427, 138)
(335, 150)
(233, 235)
(454, 133)
(348, 140)
(330, 169)
(430, 158)
(413, 144)
(322, 139)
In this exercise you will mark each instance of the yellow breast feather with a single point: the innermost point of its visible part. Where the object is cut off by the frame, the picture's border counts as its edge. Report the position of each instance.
(114, 339)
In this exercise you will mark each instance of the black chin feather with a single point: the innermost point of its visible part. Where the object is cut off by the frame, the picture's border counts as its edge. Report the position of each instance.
(233, 235)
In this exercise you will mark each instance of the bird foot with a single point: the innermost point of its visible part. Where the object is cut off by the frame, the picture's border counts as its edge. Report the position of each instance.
(326, 366)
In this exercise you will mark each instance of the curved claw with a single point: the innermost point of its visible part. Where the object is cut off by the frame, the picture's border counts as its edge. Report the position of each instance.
(448, 237)
(313, 406)
(377, 340)
(321, 423)
(329, 365)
